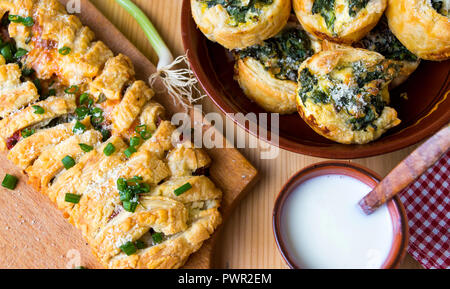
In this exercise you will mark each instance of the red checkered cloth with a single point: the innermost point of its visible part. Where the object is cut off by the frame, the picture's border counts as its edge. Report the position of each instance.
(427, 204)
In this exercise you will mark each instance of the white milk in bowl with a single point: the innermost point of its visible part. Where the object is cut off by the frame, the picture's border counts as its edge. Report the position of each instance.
(323, 226)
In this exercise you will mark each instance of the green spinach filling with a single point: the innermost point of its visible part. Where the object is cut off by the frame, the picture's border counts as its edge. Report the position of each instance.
(283, 54)
(354, 6)
(239, 11)
(383, 41)
(438, 5)
(326, 9)
(361, 100)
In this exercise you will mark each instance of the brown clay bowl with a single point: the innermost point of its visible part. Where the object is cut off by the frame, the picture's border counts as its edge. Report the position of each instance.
(395, 207)
(425, 111)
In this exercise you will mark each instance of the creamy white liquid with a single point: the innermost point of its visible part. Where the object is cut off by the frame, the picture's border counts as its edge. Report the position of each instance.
(324, 227)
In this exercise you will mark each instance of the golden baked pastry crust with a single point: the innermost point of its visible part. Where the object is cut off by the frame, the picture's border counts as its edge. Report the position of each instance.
(340, 100)
(218, 26)
(423, 30)
(346, 28)
(85, 106)
(262, 86)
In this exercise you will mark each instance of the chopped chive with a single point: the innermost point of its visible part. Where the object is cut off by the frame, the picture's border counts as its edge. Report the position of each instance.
(130, 206)
(121, 184)
(135, 141)
(72, 89)
(27, 132)
(14, 18)
(52, 92)
(20, 52)
(38, 109)
(7, 53)
(97, 116)
(183, 189)
(140, 245)
(109, 149)
(27, 21)
(81, 112)
(129, 151)
(68, 162)
(79, 128)
(106, 134)
(72, 198)
(143, 132)
(86, 148)
(65, 50)
(10, 182)
(157, 238)
(128, 248)
(83, 98)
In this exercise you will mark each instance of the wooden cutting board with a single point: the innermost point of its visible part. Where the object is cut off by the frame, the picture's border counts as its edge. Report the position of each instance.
(33, 233)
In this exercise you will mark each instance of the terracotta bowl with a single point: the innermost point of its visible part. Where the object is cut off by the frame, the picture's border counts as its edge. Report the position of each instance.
(423, 113)
(395, 207)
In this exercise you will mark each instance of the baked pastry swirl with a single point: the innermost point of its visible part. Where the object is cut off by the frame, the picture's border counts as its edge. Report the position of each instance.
(341, 21)
(267, 72)
(382, 40)
(343, 94)
(89, 136)
(423, 26)
(240, 23)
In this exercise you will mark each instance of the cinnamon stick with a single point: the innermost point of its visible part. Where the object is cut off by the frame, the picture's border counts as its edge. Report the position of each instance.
(407, 171)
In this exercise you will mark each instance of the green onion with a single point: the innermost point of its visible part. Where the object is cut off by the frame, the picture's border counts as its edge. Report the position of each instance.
(83, 98)
(86, 148)
(72, 198)
(143, 131)
(79, 128)
(129, 151)
(128, 248)
(135, 141)
(27, 21)
(81, 112)
(97, 116)
(10, 182)
(106, 134)
(20, 52)
(27, 71)
(27, 132)
(38, 109)
(157, 238)
(130, 206)
(7, 53)
(121, 184)
(72, 90)
(68, 162)
(164, 55)
(183, 189)
(109, 149)
(65, 50)
(52, 92)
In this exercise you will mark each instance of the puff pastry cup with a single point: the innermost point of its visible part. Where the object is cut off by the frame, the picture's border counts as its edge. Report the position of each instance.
(423, 26)
(341, 21)
(267, 72)
(343, 94)
(88, 135)
(240, 23)
(382, 40)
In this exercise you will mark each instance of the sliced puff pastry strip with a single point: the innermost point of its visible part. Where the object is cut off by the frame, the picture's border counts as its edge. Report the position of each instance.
(245, 29)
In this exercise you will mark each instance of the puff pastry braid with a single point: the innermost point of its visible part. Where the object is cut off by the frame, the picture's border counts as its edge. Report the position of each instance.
(88, 135)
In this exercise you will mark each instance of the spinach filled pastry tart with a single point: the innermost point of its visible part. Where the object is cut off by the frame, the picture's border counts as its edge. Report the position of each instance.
(423, 26)
(267, 72)
(89, 136)
(341, 21)
(343, 94)
(382, 40)
(240, 23)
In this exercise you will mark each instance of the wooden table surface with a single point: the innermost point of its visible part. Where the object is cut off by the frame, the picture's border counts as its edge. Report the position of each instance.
(247, 240)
